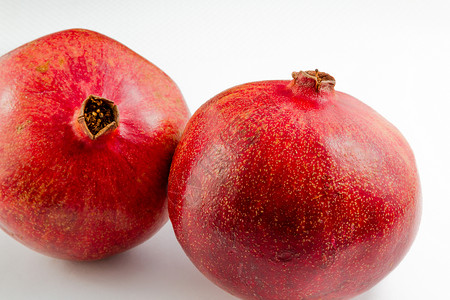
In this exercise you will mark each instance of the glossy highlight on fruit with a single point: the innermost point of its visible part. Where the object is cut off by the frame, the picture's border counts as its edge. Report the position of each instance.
(87, 135)
(292, 190)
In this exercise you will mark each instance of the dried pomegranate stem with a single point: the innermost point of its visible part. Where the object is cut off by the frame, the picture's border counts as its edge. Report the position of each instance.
(98, 116)
(322, 79)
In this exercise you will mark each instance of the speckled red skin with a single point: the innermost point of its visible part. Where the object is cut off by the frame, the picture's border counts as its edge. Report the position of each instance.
(278, 191)
(62, 193)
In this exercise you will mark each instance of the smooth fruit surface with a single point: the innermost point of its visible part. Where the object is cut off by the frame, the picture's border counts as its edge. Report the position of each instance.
(291, 190)
(66, 191)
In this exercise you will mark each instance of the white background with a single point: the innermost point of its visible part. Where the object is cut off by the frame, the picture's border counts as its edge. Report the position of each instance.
(392, 55)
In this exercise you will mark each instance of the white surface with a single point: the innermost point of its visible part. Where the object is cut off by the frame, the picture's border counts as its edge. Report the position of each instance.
(393, 55)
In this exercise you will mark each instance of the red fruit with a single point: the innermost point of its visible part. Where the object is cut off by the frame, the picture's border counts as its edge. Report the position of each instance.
(69, 188)
(291, 190)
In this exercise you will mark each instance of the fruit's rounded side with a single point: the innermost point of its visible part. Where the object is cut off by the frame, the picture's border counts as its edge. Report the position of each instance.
(277, 197)
(61, 193)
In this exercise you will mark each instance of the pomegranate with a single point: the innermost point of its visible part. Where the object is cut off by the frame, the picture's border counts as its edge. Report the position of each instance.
(292, 190)
(87, 135)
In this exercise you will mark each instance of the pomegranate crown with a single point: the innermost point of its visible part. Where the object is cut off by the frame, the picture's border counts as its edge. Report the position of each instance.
(321, 79)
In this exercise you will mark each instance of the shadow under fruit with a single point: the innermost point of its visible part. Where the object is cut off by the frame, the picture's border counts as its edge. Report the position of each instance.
(292, 190)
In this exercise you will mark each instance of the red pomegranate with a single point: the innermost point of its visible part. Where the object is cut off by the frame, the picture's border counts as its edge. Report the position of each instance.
(292, 190)
(87, 133)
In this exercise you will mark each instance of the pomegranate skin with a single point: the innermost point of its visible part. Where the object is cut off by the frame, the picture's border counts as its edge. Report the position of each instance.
(291, 190)
(61, 192)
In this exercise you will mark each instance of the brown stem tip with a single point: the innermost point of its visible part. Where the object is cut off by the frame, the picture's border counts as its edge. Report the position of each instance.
(321, 78)
(98, 116)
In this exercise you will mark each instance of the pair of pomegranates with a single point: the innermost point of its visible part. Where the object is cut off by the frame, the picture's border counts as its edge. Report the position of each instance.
(276, 189)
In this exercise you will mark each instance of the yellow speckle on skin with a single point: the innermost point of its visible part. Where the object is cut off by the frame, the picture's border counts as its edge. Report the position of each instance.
(43, 68)
(22, 126)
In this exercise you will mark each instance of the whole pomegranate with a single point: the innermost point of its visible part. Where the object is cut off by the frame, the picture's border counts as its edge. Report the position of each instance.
(292, 190)
(87, 133)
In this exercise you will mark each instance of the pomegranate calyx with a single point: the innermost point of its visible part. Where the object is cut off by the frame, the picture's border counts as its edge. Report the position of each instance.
(98, 116)
(322, 81)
